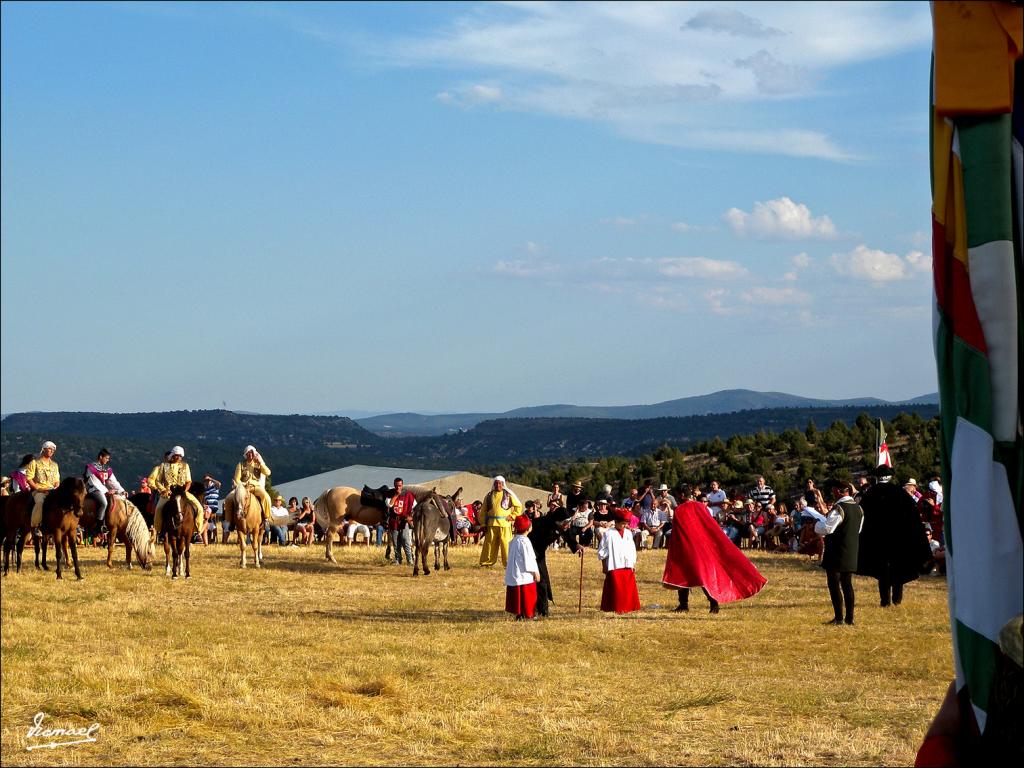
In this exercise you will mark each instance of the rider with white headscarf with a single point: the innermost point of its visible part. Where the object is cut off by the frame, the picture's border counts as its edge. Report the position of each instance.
(501, 506)
(252, 472)
(42, 475)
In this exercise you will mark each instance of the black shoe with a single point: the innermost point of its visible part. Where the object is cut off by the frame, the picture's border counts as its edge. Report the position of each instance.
(885, 603)
(681, 609)
(835, 622)
(714, 608)
(849, 622)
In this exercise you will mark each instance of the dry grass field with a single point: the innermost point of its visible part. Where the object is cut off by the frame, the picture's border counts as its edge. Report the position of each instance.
(309, 663)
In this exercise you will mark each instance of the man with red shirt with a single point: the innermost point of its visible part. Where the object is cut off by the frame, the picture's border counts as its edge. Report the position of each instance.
(400, 523)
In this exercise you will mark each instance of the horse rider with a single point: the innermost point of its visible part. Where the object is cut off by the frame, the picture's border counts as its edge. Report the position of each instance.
(42, 475)
(500, 507)
(174, 471)
(252, 472)
(101, 484)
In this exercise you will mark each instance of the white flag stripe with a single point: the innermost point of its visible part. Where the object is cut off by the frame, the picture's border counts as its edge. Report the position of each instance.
(985, 536)
(994, 289)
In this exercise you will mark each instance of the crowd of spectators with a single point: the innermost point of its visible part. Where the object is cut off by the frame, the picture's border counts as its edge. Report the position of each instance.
(752, 518)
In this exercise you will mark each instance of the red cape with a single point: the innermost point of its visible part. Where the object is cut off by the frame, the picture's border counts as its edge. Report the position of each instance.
(700, 555)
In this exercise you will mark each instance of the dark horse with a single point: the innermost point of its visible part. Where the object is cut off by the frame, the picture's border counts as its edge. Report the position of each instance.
(431, 524)
(62, 509)
(17, 524)
(178, 525)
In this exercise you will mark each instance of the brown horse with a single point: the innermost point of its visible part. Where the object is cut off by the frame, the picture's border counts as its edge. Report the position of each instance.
(125, 522)
(178, 523)
(431, 524)
(62, 509)
(17, 524)
(248, 521)
(336, 506)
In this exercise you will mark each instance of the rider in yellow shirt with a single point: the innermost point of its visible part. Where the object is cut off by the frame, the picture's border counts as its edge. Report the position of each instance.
(175, 471)
(43, 475)
(252, 472)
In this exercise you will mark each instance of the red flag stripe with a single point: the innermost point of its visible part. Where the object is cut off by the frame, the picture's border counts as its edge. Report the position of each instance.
(953, 291)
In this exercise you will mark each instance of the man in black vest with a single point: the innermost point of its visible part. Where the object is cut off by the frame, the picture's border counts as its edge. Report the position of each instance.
(545, 531)
(841, 529)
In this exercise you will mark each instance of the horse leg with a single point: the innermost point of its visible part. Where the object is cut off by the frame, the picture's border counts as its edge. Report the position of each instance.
(74, 557)
(257, 547)
(437, 553)
(241, 545)
(8, 545)
(57, 541)
(167, 554)
(21, 547)
(332, 532)
(444, 547)
(111, 538)
(176, 557)
(128, 550)
(188, 553)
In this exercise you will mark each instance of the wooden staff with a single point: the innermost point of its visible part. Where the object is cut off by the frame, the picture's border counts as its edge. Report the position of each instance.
(579, 608)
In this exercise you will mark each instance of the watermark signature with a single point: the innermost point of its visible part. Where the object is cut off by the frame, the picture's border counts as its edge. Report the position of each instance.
(61, 737)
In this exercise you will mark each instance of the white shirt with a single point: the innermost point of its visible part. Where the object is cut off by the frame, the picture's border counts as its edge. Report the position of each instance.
(279, 513)
(618, 550)
(715, 499)
(827, 525)
(522, 562)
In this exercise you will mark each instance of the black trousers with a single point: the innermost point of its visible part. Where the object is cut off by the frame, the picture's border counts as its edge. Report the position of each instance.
(684, 597)
(887, 591)
(544, 596)
(840, 589)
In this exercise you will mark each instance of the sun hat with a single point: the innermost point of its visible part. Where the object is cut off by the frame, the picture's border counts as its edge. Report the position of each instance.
(177, 451)
(912, 482)
(662, 487)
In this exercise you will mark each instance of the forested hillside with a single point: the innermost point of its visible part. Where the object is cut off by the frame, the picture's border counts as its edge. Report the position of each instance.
(786, 459)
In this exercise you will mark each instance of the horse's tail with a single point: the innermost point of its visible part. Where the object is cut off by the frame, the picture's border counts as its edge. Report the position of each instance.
(137, 532)
(320, 512)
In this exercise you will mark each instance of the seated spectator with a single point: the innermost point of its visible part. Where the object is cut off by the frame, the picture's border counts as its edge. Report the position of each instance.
(5, 486)
(304, 523)
(781, 531)
(651, 526)
(604, 520)
(278, 527)
(936, 566)
(665, 512)
(581, 530)
(733, 526)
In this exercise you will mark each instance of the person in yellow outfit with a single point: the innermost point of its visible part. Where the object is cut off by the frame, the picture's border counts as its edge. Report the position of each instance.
(252, 472)
(43, 475)
(499, 509)
(174, 471)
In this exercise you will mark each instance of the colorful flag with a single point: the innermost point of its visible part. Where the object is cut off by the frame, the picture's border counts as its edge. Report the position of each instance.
(976, 161)
(882, 454)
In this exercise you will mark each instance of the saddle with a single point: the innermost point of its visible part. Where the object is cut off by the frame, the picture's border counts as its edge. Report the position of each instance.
(375, 497)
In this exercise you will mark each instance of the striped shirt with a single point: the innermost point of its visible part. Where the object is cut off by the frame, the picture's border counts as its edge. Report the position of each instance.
(762, 495)
(211, 497)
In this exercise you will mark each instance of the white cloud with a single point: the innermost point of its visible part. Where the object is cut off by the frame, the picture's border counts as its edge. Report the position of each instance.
(702, 268)
(532, 247)
(470, 95)
(729, 21)
(774, 76)
(682, 226)
(801, 260)
(775, 296)
(781, 218)
(877, 266)
(525, 269)
(790, 277)
(677, 74)
(619, 221)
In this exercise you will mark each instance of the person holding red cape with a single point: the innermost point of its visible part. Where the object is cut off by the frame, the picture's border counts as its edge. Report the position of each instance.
(701, 555)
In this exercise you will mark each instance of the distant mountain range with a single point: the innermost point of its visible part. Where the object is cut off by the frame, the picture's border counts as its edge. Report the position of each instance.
(725, 401)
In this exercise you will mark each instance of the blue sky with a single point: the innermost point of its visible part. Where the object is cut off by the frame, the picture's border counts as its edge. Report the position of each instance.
(459, 207)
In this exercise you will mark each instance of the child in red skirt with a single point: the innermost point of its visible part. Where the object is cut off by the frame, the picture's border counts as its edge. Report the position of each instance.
(521, 573)
(618, 558)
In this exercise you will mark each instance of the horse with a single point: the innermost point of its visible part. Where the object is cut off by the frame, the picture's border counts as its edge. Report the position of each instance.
(17, 524)
(178, 523)
(248, 521)
(431, 523)
(337, 506)
(124, 521)
(62, 509)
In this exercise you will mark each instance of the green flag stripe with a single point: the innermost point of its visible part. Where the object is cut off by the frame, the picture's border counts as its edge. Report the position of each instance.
(985, 159)
(978, 657)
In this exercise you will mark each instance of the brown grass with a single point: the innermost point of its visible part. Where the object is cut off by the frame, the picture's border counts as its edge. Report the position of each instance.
(308, 663)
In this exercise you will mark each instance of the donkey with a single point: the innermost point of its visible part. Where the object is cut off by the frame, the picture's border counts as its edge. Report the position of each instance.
(431, 524)
(178, 525)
